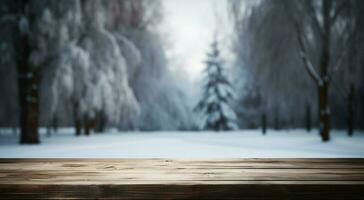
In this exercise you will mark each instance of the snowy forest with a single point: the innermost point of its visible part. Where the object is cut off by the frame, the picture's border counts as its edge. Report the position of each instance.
(100, 66)
(302, 63)
(87, 64)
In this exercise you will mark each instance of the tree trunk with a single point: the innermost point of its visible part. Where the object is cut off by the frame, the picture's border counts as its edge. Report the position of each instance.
(100, 122)
(351, 111)
(276, 119)
(76, 119)
(308, 117)
(28, 92)
(28, 98)
(264, 123)
(55, 123)
(87, 125)
(323, 84)
(324, 112)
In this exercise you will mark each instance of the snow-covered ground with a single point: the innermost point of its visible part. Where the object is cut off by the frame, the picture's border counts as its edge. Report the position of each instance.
(240, 144)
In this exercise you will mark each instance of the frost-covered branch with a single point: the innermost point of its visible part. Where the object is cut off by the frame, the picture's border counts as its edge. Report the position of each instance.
(306, 61)
(300, 34)
(313, 16)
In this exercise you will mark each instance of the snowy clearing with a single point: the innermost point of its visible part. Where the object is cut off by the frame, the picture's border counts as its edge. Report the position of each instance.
(239, 144)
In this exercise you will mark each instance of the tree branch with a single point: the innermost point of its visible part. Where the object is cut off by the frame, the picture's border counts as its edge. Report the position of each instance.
(338, 11)
(302, 51)
(338, 63)
(312, 14)
(307, 63)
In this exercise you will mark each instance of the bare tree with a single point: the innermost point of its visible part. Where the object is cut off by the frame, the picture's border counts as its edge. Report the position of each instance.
(282, 45)
(326, 24)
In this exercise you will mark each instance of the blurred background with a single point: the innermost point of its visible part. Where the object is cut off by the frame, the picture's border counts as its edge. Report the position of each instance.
(180, 65)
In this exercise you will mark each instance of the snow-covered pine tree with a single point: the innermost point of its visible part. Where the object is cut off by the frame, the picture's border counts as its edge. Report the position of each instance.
(217, 94)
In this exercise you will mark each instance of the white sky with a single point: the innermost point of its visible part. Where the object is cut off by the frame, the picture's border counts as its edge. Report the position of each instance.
(190, 26)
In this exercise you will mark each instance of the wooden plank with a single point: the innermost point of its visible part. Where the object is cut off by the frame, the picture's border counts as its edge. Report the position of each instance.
(233, 163)
(156, 191)
(90, 176)
(182, 178)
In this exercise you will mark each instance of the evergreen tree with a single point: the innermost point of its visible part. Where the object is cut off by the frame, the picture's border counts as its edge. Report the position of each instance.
(214, 105)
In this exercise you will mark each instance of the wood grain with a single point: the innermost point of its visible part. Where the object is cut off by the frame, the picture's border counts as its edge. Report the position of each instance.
(182, 178)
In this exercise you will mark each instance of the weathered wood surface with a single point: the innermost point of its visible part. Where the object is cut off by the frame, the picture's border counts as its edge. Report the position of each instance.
(180, 179)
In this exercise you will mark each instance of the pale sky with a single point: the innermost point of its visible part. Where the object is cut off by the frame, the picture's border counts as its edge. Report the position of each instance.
(190, 26)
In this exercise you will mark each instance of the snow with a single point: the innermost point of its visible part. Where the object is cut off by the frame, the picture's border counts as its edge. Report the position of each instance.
(130, 52)
(238, 144)
(228, 112)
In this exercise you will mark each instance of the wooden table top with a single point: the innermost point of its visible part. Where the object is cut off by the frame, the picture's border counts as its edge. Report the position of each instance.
(182, 178)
